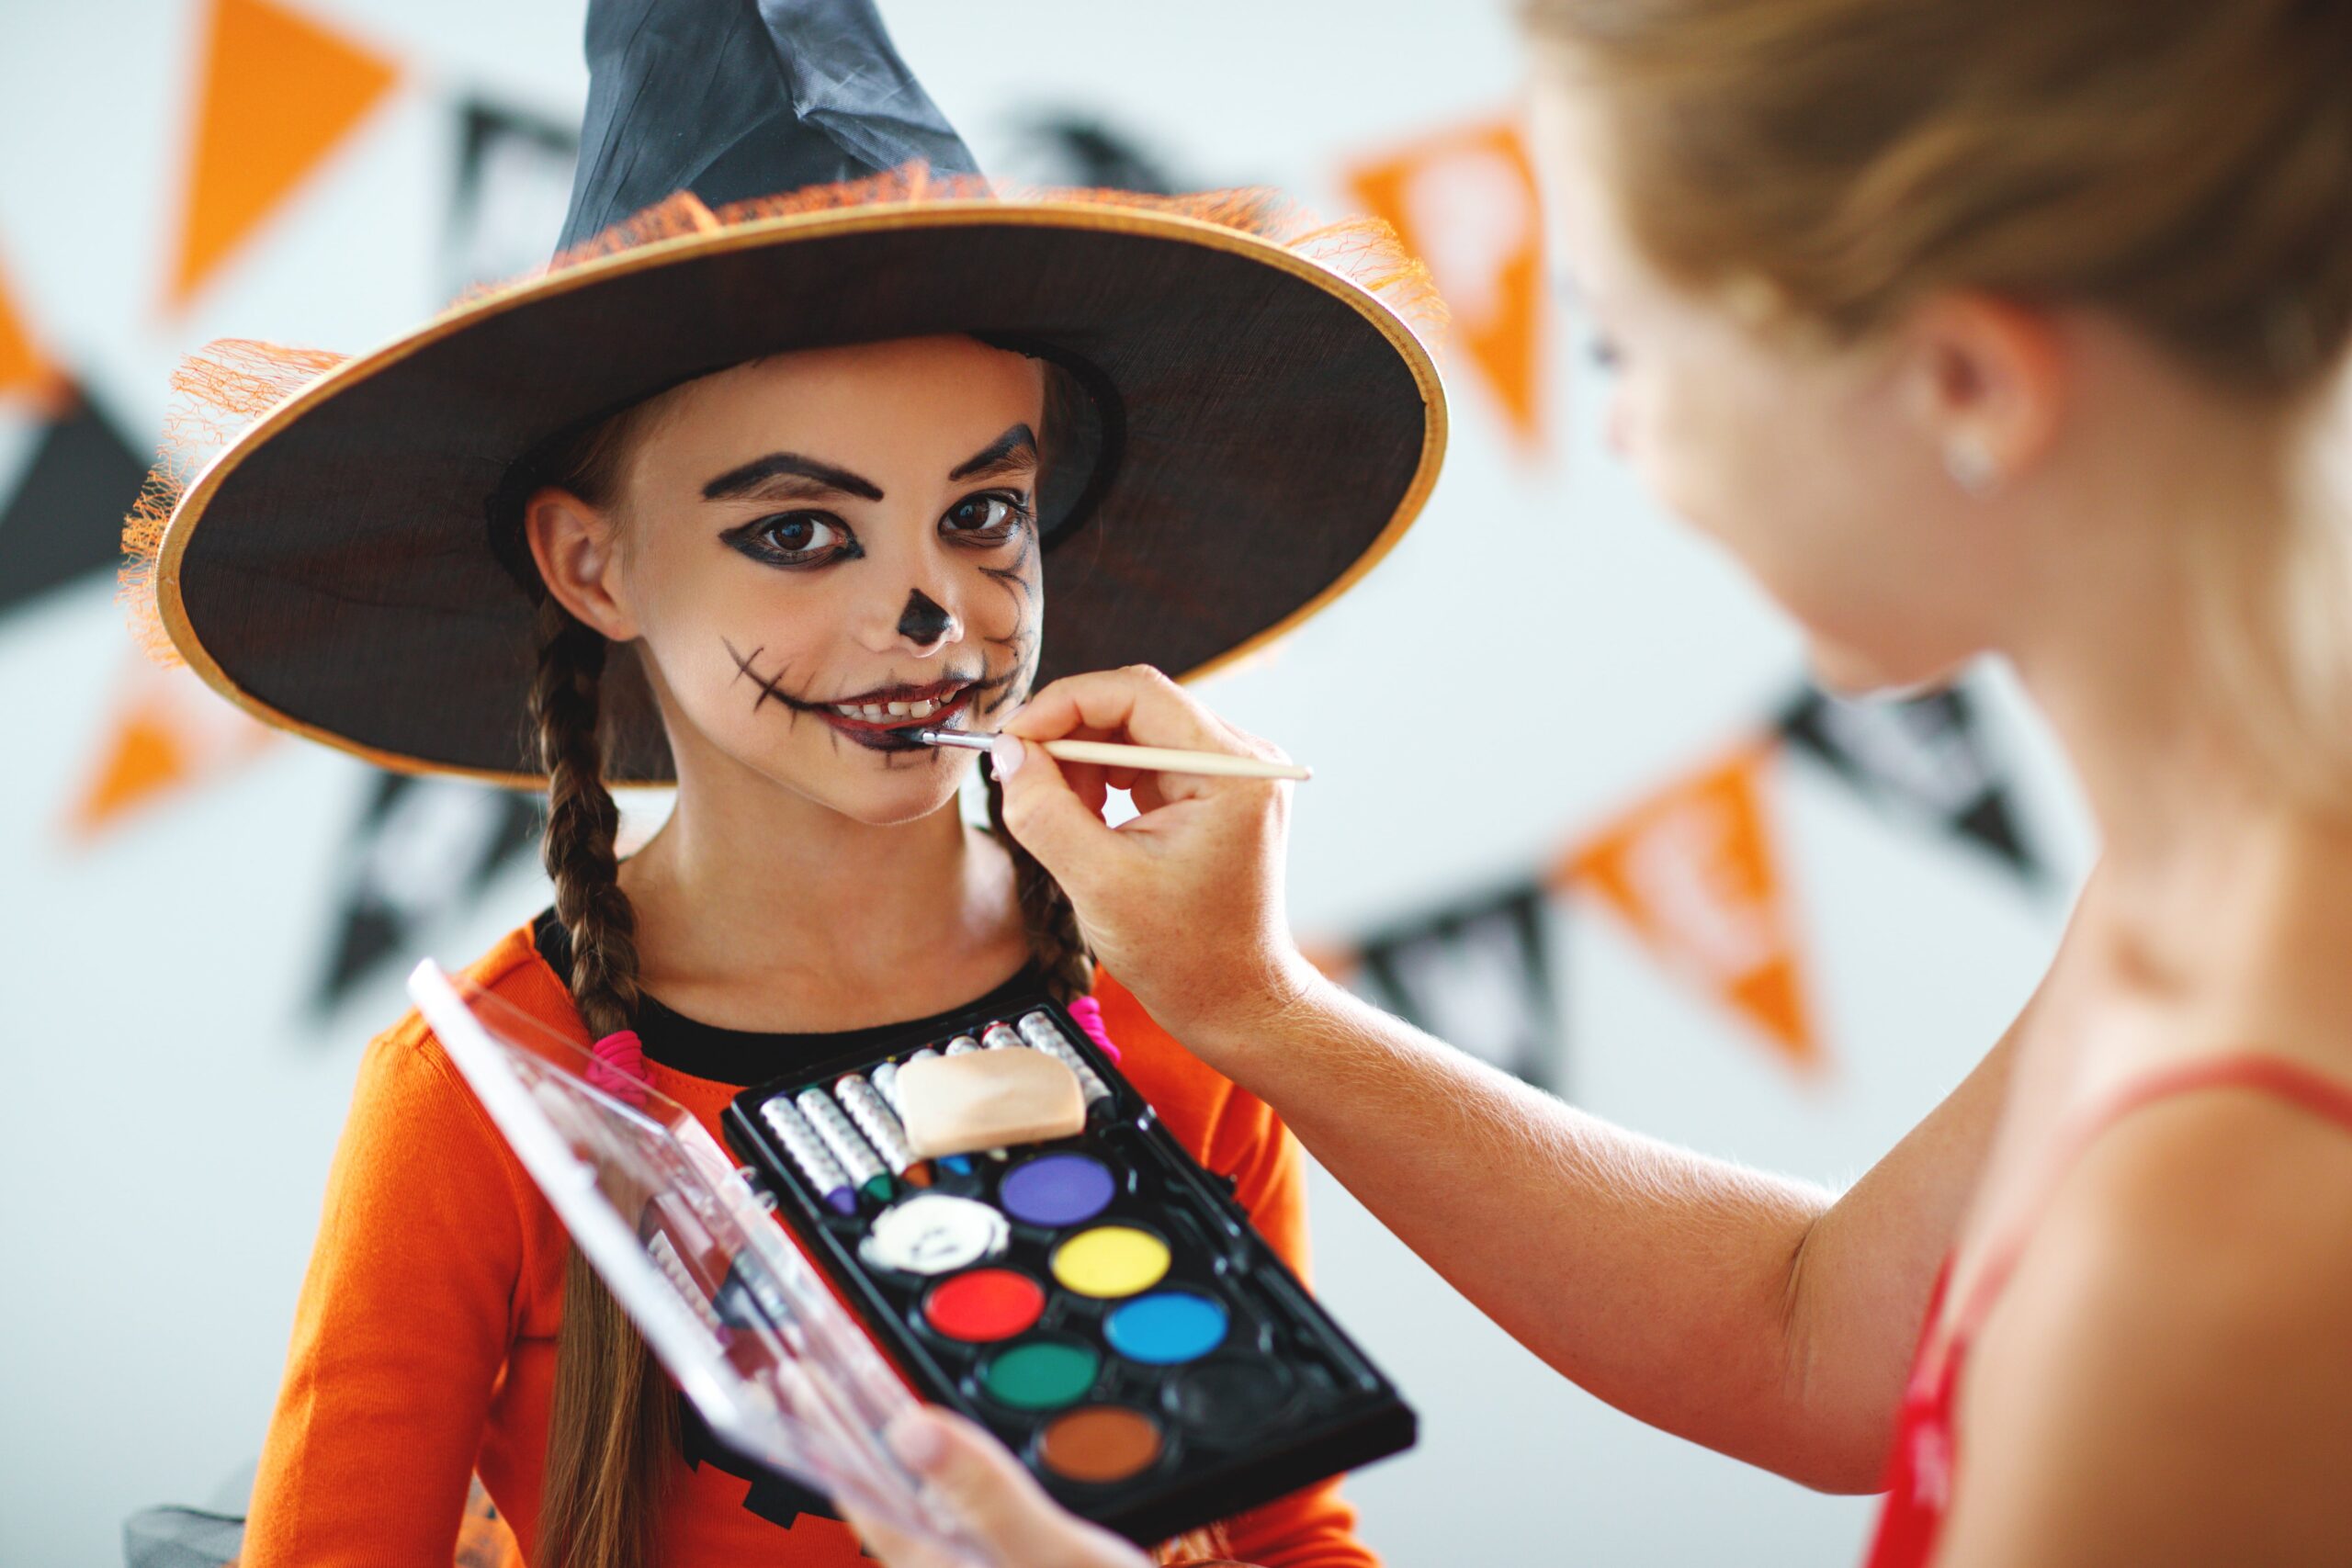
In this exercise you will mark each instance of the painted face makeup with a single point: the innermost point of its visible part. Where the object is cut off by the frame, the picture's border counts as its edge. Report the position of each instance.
(1057, 1190)
(934, 1233)
(881, 719)
(1109, 1261)
(1089, 1295)
(1107, 1443)
(1166, 1329)
(985, 1305)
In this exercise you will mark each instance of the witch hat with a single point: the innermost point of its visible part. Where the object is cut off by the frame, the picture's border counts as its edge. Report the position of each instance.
(1260, 420)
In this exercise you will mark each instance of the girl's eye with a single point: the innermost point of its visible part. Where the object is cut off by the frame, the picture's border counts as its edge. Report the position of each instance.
(1603, 351)
(986, 518)
(794, 538)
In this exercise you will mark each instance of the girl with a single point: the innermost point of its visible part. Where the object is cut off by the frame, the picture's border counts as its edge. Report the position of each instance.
(768, 505)
(1969, 326)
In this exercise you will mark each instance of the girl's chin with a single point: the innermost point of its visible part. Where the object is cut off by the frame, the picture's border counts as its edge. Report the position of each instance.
(890, 793)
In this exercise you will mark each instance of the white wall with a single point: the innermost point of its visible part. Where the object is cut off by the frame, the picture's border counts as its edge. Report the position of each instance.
(173, 1103)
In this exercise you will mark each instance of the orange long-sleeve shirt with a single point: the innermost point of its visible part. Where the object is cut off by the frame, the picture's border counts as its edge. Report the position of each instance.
(424, 1346)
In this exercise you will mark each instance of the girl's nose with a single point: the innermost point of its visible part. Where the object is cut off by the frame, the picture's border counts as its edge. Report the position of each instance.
(924, 624)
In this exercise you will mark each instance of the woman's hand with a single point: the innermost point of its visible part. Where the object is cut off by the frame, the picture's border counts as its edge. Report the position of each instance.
(1000, 1506)
(1184, 903)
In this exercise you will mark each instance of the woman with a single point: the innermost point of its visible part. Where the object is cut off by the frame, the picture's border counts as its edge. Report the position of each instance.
(1970, 327)
(733, 498)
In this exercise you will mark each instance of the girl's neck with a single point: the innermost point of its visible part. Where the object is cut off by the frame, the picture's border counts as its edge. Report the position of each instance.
(762, 909)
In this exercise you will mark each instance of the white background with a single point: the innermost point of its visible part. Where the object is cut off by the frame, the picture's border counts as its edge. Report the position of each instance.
(1543, 649)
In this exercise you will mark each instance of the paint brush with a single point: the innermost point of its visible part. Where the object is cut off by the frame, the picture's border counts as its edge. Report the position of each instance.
(1144, 759)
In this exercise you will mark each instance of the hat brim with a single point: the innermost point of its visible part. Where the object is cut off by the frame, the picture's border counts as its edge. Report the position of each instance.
(332, 571)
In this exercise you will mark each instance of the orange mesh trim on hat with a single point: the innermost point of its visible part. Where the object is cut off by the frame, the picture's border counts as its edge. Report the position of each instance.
(225, 387)
(1364, 251)
(217, 391)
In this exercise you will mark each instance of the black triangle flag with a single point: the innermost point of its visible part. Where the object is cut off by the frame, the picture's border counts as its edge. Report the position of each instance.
(423, 850)
(514, 185)
(1073, 147)
(1478, 976)
(1925, 754)
(63, 520)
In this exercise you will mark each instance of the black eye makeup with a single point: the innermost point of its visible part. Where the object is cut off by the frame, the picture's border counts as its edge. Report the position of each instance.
(988, 518)
(793, 540)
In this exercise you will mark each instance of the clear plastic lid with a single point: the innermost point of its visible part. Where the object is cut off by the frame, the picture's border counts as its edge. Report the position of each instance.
(772, 1360)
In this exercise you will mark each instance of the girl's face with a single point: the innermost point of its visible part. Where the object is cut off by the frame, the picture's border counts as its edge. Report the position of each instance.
(1807, 464)
(820, 552)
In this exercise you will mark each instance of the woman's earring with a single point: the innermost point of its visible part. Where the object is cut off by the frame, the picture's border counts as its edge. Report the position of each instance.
(1970, 463)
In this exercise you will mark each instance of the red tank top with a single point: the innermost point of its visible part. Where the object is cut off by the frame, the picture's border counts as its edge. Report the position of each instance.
(1919, 1474)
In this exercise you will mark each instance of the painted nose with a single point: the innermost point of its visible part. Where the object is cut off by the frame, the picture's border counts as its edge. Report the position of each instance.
(924, 623)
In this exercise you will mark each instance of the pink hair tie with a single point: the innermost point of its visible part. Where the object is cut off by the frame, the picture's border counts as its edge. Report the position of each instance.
(1087, 1014)
(617, 1067)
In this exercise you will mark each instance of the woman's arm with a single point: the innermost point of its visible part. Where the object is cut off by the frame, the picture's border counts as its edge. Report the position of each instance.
(1754, 1314)
(404, 1320)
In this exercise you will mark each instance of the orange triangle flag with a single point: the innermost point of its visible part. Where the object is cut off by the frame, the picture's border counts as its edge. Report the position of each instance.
(24, 370)
(1691, 871)
(1464, 202)
(279, 93)
(169, 733)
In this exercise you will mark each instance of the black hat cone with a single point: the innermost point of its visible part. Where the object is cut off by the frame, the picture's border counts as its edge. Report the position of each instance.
(734, 100)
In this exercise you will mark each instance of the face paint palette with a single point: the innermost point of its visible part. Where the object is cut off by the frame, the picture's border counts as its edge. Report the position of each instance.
(1098, 1300)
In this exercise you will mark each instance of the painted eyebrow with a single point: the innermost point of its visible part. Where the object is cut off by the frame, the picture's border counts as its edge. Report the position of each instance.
(753, 477)
(1005, 453)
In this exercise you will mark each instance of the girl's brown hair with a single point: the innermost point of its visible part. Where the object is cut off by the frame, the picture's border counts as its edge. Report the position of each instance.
(613, 1428)
(2182, 166)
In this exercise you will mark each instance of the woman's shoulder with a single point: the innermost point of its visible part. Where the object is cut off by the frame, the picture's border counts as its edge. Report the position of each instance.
(2173, 1331)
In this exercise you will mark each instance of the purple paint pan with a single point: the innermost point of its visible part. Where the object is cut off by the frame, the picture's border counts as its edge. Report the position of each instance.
(1057, 1190)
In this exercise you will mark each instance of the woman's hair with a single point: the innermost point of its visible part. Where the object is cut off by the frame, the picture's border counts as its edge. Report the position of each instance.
(2181, 166)
(613, 1428)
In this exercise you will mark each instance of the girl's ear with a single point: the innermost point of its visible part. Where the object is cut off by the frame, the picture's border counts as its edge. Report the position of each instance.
(577, 548)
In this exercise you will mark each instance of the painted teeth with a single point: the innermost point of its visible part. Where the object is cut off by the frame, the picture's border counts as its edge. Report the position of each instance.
(877, 712)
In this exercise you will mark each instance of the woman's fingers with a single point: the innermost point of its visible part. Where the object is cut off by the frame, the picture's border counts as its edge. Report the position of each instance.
(896, 1549)
(1184, 902)
(998, 1504)
(1136, 704)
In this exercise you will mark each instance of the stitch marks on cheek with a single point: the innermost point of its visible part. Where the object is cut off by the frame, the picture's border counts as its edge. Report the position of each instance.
(1024, 644)
(768, 687)
(891, 738)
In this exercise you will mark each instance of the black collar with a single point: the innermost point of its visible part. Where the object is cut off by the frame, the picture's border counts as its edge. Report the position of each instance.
(744, 1057)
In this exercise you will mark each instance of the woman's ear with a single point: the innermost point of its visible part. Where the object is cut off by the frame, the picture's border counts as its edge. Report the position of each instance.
(577, 547)
(1984, 380)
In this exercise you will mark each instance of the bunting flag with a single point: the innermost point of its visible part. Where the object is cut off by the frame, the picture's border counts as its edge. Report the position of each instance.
(169, 732)
(25, 373)
(1477, 976)
(1464, 202)
(423, 849)
(1075, 149)
(63, 518)
(1692, 872)
(1926, 755)
(278, 93)
(512, 188)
